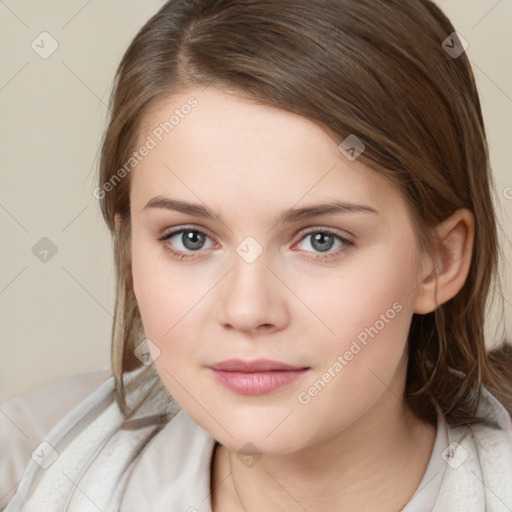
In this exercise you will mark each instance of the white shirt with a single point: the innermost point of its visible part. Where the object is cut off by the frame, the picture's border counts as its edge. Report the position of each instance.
(91, 461)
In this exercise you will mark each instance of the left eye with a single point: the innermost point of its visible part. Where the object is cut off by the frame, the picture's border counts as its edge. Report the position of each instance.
(322, 241)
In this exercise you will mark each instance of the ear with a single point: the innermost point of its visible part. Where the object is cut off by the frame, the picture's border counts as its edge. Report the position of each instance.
(454, 246)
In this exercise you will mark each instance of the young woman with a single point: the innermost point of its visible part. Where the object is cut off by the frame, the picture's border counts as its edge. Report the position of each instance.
(305, 244)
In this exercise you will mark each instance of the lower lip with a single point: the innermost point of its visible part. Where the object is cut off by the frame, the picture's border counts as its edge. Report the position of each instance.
(257, 383)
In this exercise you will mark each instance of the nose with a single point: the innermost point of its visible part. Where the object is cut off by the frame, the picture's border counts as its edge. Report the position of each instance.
(252, 298)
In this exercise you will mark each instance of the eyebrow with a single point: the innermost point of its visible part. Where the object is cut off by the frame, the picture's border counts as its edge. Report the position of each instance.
(287, 216)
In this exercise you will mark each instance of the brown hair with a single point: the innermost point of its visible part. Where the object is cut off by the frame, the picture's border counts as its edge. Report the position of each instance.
(373, 68)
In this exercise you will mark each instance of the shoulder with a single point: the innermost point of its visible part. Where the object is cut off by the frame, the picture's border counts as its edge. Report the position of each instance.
(493, 444)
(494, 439)
(96, 444)
(27, 418)
(478, 461)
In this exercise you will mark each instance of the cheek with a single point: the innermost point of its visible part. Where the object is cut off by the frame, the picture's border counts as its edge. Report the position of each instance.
(159, 295)
(371, 299)
(370, 316)
(170, 299)
(368, 311)
(164, 303)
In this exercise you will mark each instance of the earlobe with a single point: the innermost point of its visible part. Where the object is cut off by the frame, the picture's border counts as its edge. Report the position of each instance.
(454, 247)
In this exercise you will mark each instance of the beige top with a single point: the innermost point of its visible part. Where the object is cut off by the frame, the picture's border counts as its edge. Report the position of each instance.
(91, 460)
(26, 419)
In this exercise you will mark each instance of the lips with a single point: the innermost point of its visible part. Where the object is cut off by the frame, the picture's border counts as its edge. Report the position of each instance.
(258, 365)
(256, 377)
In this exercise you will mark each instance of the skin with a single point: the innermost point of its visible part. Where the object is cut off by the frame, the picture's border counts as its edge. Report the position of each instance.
(355, 442)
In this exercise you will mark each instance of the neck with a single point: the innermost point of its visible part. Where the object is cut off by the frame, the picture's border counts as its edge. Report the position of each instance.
(376, 463)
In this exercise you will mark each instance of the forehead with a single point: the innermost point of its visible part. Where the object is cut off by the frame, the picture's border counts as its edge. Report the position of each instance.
(232, 147)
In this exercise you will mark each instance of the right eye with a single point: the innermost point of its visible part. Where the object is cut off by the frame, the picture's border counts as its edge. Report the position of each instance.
(190, 239)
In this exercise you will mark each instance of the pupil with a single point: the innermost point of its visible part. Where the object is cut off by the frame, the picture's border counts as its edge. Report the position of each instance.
(192, 239)
(319, 238)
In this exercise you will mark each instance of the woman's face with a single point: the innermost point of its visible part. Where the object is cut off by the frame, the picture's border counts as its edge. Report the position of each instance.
(259, 278)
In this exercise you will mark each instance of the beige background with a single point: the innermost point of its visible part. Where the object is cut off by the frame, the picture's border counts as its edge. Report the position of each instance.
(56, 316)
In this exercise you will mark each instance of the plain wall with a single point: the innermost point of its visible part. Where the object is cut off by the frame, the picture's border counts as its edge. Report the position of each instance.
(56, 315)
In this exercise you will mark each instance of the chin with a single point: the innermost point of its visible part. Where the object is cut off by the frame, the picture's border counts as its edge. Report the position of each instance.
(252, 441)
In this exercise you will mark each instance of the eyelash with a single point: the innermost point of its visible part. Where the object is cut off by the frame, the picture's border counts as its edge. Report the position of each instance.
(179, 255)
